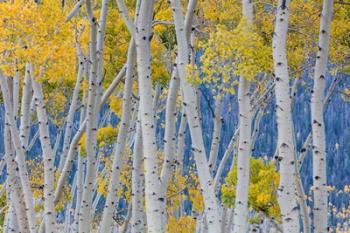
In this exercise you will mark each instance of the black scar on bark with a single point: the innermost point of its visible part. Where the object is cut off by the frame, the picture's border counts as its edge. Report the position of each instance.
(283, 5)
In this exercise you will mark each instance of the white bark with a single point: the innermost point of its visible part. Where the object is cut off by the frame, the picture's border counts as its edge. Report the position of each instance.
(214, 149)
(80, 173)
(72, 110)
(244, 143)
(180, 147)
(73, 145)
(111, 200)
(137, 218)
(15, 93)
(285, 144)
(169, 135)
(48, 158)
(191, 108)
(154, 211)
(91, 128)
(13, 185)
(20, 155)
(318, 128)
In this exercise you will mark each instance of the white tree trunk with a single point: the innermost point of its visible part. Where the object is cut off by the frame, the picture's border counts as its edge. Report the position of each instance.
(72, 109)
(180, 147)
(20, 155)
(214, 149)
(154, 211)
(48, 157)
(137, 218)
(169, 135)
(111, 201)
(191, 107)
(318, 127)
(13, 185)
(244, 143)
(285, 144)
(91, 128)
(74, 143)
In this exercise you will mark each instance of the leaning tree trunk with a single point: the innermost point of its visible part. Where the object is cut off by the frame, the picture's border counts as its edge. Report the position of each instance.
(20, 155)
(244, 143)
(285, 143)
(110, 206)
(191, 108)
(72, 109)
(48, 158)
(318, 128)
(13, 185)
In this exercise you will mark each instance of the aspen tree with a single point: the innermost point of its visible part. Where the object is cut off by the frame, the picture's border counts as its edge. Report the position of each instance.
(244, 143)
(320, 210)
(191, 108)
(285, 141)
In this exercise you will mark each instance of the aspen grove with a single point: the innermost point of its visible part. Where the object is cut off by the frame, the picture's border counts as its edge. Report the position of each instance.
(177, 116)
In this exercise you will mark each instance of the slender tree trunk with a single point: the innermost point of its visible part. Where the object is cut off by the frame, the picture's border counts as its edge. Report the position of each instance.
(72, 110)
(48, 157)
(191, 107)
(180, 147)
(111, 201)
(244, 143)
(20, 155)
(137, 218)
(91, 129)
(285, 143)
(13, 184)
(169, 137)
(214, 149)
(74, 143)
(318, 128)
(245, 122)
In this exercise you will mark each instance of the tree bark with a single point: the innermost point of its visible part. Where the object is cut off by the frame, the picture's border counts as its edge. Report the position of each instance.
(137, 218)
(91, 128)
(20, 155)
(191, 107)
(110, 206)
(244, 143)
(285, 143)
(48, 157)
(318, 125)
(153, 196)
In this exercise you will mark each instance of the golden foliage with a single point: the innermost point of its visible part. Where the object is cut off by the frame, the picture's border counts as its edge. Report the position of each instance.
(264, 180)
(105, 136)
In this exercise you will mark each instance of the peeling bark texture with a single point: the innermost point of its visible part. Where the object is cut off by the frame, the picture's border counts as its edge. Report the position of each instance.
(285, 142)
(319, 160)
